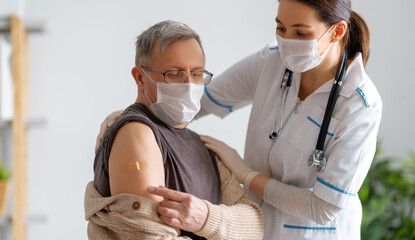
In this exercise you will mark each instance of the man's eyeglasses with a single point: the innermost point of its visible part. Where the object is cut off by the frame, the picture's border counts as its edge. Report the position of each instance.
(178, 77)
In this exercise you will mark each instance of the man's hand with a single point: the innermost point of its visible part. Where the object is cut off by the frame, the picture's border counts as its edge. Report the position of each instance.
(231, 159)
(109, 120)
(181, 210)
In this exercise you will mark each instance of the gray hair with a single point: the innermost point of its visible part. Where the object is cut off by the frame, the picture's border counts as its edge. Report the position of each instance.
(168, 32)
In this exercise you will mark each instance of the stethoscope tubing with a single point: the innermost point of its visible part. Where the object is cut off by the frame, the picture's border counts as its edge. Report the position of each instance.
(331, 103)
(285, 87)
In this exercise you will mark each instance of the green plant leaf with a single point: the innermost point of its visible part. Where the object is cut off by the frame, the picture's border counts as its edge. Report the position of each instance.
(388, 198)
(5, 173)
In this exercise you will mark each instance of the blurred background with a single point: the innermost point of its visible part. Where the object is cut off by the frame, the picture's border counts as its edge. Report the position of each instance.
(79, 72)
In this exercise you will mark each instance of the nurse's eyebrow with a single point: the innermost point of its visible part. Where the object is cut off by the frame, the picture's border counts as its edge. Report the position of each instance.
(301, 25)
(294, 25)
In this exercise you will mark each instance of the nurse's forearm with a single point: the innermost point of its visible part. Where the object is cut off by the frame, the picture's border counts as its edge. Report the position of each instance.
(293, 200)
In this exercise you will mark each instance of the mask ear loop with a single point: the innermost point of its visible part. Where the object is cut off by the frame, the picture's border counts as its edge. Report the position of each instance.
(145, 93)
(331, 43)
(325, 33)
(148, 76)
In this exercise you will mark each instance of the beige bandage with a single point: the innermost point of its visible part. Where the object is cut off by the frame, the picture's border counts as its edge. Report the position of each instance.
(134, 166)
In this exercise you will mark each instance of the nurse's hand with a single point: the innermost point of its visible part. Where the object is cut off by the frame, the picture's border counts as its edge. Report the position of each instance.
(231, 159)
(109, 120)
(181, 210)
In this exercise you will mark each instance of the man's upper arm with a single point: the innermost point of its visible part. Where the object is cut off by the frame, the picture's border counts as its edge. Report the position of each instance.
(135, 161)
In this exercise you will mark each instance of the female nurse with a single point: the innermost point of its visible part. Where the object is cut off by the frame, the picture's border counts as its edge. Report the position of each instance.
(298, 201)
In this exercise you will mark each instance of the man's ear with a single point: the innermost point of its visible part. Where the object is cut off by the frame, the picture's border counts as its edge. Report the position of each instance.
(138, 76)
(340, 29)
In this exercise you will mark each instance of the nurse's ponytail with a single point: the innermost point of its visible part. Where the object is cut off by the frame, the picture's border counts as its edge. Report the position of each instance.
(358, 38)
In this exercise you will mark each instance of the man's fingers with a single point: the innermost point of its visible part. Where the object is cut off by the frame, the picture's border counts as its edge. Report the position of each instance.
(167, 193)
(188, 214)
(174, 222)
(171, 204)
(168, 212)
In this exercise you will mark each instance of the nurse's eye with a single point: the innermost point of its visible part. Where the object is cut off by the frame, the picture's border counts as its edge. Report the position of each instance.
(301, 34)
(281, 29)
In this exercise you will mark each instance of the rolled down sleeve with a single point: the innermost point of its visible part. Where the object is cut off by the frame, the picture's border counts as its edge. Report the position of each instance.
(237, 217)
(349, 157)
(124, 216)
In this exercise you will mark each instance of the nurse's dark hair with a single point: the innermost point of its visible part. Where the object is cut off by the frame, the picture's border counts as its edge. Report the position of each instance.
(357, 37)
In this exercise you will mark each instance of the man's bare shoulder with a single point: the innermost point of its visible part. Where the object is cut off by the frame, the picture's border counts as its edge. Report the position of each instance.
(136, 131)
(135, 161)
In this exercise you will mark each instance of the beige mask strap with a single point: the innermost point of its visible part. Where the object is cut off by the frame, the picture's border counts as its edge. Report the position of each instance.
(325, 33)
(134, 166)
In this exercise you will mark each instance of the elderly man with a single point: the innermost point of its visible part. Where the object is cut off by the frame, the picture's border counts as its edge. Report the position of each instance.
(149, 163)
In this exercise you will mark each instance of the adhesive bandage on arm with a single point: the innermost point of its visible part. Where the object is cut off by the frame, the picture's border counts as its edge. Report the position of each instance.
(134, 166)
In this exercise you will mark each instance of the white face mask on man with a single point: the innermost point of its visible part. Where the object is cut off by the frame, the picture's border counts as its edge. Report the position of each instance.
(301, 55)
(176, 104)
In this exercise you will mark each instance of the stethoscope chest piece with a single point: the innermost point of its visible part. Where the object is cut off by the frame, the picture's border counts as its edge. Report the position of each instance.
(317, 160)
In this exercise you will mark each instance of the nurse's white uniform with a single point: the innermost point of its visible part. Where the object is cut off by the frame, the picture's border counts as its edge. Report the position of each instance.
(349, 147)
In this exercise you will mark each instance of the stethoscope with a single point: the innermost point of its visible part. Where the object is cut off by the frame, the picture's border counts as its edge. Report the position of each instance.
(316, 159)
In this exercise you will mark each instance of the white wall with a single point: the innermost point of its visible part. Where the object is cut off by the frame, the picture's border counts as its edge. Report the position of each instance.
(391, 68)
(80, 72)
(8, 7)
